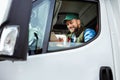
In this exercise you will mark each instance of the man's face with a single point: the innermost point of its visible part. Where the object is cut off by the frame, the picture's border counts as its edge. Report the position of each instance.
(73, 25)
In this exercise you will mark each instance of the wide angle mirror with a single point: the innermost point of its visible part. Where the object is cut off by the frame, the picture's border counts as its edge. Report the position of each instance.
(8, 40)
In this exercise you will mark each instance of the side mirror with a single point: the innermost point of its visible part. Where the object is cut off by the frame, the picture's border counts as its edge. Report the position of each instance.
(8, 39)
(14, 31)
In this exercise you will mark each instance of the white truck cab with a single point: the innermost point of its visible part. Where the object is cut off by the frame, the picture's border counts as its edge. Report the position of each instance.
(34, 45)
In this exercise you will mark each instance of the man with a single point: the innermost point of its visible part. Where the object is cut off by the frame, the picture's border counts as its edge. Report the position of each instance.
(77, 33)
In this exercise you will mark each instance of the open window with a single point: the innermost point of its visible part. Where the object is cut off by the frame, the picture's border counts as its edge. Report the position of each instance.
(62, 37)
(14, 30)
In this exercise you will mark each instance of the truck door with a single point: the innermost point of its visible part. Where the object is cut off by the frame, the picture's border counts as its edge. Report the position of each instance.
(53, 56)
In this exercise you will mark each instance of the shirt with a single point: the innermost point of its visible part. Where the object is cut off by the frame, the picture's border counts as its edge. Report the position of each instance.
(82, 36)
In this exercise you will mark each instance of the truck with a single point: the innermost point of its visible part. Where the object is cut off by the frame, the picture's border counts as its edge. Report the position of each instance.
(29, 46)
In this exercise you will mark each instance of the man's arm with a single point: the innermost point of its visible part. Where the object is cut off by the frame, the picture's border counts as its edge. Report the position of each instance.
(89, 34)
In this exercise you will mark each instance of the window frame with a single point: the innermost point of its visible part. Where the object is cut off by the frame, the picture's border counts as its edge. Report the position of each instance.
(48, 26)
(98, 22)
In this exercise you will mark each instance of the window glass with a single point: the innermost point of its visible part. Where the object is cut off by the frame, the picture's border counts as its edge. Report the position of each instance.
(76, 24)
(37, 26)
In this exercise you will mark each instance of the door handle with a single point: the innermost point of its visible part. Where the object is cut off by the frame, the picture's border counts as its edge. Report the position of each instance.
(106, 73)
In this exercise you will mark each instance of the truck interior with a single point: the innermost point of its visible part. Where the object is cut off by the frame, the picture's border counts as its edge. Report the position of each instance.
(88, 14)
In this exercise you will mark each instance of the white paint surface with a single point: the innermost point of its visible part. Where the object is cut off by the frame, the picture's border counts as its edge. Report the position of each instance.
(4, 9)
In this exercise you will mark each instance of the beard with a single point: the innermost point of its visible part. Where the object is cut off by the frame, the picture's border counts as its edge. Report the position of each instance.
(73, 29)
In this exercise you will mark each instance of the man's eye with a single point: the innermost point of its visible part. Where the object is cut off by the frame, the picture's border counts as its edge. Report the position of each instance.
(67, 24)
(71, 22)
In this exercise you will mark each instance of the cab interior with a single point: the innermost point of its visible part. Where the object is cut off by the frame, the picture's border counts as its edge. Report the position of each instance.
(88, 14)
